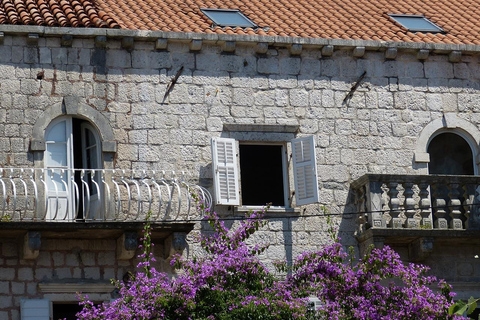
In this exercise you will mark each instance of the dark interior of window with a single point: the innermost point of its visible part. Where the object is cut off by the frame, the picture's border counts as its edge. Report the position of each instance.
(450, 154)
(261, 171)
(66, 311)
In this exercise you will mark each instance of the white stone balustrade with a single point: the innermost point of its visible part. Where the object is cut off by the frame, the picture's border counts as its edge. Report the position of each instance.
(28, 194)
(417, 202)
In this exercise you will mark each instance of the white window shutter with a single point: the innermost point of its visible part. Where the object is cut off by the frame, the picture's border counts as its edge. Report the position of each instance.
(305, 170)
(225, 171)
(35, 309)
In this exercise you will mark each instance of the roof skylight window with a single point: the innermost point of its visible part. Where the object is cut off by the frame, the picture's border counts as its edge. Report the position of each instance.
(415, 23)
(228, 18)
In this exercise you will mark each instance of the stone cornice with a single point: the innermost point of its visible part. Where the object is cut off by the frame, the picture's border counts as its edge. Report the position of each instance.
(146, 35)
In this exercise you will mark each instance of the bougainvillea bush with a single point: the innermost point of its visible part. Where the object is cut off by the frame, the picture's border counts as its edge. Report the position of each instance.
(230, 282)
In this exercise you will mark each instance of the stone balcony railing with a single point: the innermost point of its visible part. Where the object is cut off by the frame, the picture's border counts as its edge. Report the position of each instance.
(442, 202)
(88, 195)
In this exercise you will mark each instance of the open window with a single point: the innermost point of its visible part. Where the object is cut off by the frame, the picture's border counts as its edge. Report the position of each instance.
(450, 154)
(261, 175)
(72, 163)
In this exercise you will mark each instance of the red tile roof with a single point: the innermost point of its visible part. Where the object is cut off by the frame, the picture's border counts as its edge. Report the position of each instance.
(53, 13)
(331, 19)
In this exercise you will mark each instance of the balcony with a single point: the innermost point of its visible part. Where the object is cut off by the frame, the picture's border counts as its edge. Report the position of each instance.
(416, 210)
(92, 195)
(96, 204)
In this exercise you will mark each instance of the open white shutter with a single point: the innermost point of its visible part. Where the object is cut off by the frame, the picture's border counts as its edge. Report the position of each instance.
(35, 309)
(305, 170)
(225, 171)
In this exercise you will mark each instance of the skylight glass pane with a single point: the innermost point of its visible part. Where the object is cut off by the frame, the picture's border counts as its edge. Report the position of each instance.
(416, 23)
(228, 18)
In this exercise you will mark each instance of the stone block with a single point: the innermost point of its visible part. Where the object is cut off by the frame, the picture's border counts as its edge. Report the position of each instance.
(268, 65)
(106, 258)
(92, 273)
(18, 287)
(7, 274)
(25, 274)
(438, 69)
(6, 302)
(62, 273)
(290, 65)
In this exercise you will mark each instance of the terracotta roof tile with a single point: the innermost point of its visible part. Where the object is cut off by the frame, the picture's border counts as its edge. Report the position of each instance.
(345, 19)
(65, 13)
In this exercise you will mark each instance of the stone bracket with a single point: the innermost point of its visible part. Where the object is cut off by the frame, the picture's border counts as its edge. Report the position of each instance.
(420, 249)
(196, 45)
(127, 245)
(377, 242)
(32, 242)
(175, 244)
(262, 47)
(67, 40)
(161, 44)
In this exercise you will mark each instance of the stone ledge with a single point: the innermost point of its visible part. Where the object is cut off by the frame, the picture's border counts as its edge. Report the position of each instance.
(406, 236)
(221, 38)
(90, 230)
(240, 127)
(64, 287)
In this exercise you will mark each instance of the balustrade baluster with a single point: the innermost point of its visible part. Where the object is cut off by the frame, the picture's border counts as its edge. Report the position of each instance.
(361, 207)
(468, 195)
(455, 204)
(395, 222)
(410, 202)
(439, 205)
(425, 203)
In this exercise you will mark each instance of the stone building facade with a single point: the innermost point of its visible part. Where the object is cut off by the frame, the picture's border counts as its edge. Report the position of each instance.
(372, 108)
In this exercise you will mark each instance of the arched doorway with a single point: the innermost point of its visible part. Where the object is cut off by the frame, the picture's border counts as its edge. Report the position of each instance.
(72, 144)
(450, 154)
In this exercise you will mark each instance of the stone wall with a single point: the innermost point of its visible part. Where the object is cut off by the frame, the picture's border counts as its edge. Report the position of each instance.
(376, 131)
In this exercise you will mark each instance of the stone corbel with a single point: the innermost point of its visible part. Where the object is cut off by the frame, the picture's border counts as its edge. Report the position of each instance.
(67, 40)
(32, 39)
(196, 45)
(358, 52)
(296, 49)
(420, 249)
(455, 56)
(128, 43)
(175, 243)
(31, 245)
(377, 242)
(327, 51)
(423, 54)
(229, 46)
(127, 245)
(262, 47)
(100, 41)
(161, 44)
(391, 53)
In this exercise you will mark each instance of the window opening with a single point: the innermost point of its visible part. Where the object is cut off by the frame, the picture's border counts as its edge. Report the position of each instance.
(415, 23)
(262, 174)
(228, 18)
(72, 143)
(66, 311)
(450, 154)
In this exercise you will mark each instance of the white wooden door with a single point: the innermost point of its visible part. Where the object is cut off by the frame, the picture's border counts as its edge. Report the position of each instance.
(58, 165)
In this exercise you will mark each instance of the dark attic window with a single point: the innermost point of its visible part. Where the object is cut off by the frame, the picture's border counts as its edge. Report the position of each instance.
(415, 23)
(228, 18)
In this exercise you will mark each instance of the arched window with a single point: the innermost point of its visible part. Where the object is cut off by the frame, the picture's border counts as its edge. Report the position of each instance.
(72, 144)
(450, 154)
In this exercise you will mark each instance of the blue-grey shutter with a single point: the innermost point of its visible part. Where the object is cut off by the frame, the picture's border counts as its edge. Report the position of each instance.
(35, 309)
(305, 170)
(225, 171)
